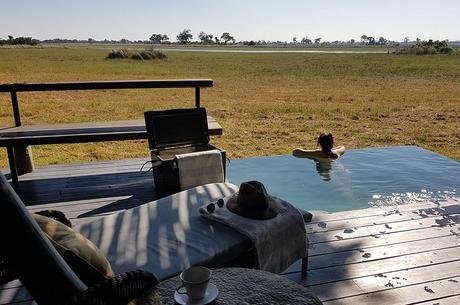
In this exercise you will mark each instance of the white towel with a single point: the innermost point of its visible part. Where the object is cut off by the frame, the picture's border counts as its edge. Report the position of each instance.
(278, 242)
(199, 168)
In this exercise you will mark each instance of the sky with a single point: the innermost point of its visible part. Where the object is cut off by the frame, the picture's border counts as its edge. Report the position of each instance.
(244, 19)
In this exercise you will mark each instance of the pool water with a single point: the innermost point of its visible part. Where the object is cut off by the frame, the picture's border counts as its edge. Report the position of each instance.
(361, 178)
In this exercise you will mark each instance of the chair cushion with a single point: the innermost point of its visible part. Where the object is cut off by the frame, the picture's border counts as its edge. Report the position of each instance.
(85, 259)
(168, 235)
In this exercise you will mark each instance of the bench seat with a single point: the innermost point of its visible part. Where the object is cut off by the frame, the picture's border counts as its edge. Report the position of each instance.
(82, 132)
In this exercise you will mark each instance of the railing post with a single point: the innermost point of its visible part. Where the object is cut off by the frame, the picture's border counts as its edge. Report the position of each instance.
(197, 97)
(20, 157)
(17, 115)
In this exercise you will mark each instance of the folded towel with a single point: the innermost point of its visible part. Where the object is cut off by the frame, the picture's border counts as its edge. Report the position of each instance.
(199, 168)
(278, 242)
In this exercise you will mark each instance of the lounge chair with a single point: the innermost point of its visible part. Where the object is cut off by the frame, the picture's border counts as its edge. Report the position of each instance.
(168, 235)
(42, 270)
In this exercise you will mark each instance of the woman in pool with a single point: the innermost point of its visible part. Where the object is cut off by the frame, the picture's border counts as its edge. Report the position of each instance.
(327, 151)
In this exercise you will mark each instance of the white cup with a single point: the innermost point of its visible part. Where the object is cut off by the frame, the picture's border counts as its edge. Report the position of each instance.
(195, 281)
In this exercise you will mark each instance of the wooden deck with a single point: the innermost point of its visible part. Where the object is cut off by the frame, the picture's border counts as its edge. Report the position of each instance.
(404, 255)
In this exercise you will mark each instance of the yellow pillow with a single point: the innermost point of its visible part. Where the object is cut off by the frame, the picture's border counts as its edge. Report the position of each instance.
(83, 257)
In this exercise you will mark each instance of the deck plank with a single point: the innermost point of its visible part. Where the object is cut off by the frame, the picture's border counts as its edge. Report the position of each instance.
(373, 268)
(452, 300)
(385, 281)
(387, 228)
(377, 239)
(14, 295)
(447, 208)
(383, 252)
(405, 295)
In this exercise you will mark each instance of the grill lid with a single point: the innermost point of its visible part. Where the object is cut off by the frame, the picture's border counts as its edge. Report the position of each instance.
(176, 127)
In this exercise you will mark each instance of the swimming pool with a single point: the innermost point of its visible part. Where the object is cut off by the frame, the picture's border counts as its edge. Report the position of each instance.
(361, 178)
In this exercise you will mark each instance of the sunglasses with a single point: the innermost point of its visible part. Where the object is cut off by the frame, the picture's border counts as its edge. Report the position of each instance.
(212, 206)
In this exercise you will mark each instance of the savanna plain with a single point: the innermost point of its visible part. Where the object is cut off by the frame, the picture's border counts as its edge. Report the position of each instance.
(266, 103)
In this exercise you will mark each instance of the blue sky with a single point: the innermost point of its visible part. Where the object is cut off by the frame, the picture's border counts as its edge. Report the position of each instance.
(244, 19)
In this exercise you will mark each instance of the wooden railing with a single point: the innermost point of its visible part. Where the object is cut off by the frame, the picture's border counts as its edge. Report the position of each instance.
(95, 85)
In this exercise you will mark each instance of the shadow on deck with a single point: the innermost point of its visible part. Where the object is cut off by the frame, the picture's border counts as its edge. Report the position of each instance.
(82, 190)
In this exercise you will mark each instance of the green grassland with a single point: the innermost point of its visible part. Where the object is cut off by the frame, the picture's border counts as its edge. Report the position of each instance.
(267, 103)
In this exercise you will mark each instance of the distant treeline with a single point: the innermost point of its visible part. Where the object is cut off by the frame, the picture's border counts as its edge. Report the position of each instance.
(19, 41)
(186, 37)
(244, 42)
(90, 40)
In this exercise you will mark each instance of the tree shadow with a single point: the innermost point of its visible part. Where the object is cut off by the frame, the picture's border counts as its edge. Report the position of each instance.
(135, 187)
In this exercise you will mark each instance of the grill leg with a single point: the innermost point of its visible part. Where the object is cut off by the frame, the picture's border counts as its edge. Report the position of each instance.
(13, 168)
(304, 266)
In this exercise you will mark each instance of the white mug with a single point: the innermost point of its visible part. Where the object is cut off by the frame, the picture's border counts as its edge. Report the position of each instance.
(195, 281)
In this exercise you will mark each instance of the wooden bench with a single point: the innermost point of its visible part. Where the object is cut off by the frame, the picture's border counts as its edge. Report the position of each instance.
(17, 138)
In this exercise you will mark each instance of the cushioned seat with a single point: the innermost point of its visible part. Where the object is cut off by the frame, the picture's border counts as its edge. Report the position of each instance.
(29, 254)
(168, 235)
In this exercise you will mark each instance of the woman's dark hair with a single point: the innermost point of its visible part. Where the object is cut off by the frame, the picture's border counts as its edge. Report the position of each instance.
(326, 141)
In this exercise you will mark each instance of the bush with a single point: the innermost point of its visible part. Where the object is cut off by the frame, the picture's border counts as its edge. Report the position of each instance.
(429, 47)
(142, 55)
(446, 50)
(148, 55)
(122, 53)
(424, 50)
(136, 56)
(159, 55)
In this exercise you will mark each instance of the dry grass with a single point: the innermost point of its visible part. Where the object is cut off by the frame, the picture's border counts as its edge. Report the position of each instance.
(267, 103)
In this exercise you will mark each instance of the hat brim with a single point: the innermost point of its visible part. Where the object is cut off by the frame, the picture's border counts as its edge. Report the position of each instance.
(271, 212)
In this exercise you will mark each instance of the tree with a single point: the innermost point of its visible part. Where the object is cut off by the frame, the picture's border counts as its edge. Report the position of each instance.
(352, 41)
(226, 37)
(205, 38)
(91, 40)
(184, 37)
(406, 40)
(305, 40)
(158, 38)
(371, 40)
(217, 39)
(364, 39)
(10, 37)
(318, 40)
(294, 40)
(382, 41)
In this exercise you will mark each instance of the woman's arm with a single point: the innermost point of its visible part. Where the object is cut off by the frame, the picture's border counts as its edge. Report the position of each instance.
(339, 150)
(302, 153)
